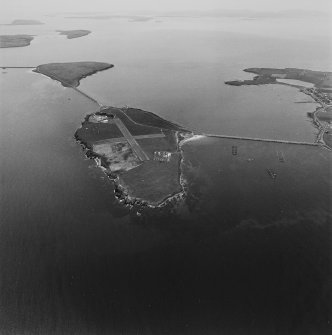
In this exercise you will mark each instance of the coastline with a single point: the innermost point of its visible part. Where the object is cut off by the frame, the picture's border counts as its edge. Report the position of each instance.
(319, 92)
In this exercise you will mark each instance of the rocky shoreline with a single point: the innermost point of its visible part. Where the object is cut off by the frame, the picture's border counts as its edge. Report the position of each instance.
(121, 192)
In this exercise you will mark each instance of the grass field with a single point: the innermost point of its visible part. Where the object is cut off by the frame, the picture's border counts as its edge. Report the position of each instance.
(134, 128)
(92, 132)
(153, 181)
(150, 145)
(150, 119)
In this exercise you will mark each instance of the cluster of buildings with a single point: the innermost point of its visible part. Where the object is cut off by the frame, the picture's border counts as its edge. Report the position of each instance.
(162, 156)
(320, 96)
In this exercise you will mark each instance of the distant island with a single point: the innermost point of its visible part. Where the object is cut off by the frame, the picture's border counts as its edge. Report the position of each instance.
(25, 23)
(321, 92)
(140, 18)
(97, 17)
(131, 18)
(74, 33)
(70, 74)
(15, 41)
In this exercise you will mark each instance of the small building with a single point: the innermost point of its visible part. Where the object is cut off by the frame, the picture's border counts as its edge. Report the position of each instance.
(96, 118)
(278, 75)
(162, 156)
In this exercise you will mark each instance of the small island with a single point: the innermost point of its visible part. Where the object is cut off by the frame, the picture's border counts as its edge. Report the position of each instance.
(138, 150)
(25, 23)
(74, 33)
(70, 74)
(15, 41)
(320, 91)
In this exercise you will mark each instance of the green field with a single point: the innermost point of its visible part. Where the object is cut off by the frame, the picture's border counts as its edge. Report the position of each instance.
(167, 143)
(90, 132)
(150, 119)
(153, 181)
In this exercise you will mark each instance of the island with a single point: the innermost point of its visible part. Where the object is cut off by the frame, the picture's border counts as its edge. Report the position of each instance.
(140, 18)
(74, 33)
(25, 23)
(92, 17)
(138, 150)
(15, 41)
(70, 74)
(320, 91)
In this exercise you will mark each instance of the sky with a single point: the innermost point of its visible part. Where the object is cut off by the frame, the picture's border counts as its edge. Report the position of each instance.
(160, 5)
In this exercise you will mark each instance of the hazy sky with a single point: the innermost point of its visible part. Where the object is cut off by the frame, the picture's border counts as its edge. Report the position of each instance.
(121, 5)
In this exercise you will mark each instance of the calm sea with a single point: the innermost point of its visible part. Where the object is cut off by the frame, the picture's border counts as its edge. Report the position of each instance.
(241, 255)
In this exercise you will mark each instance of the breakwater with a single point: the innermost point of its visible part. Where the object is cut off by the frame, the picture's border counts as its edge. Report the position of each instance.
(261, 139)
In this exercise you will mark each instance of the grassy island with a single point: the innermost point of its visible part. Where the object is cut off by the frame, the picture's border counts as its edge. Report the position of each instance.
(15, 41)
(74, 33)
(70, 74)
(138, 150)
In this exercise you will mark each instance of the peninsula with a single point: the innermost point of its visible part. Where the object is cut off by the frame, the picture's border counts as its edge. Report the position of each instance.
(70, 74)
(320, 79)
(321, 92)
(74, 33)
(15, 41)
